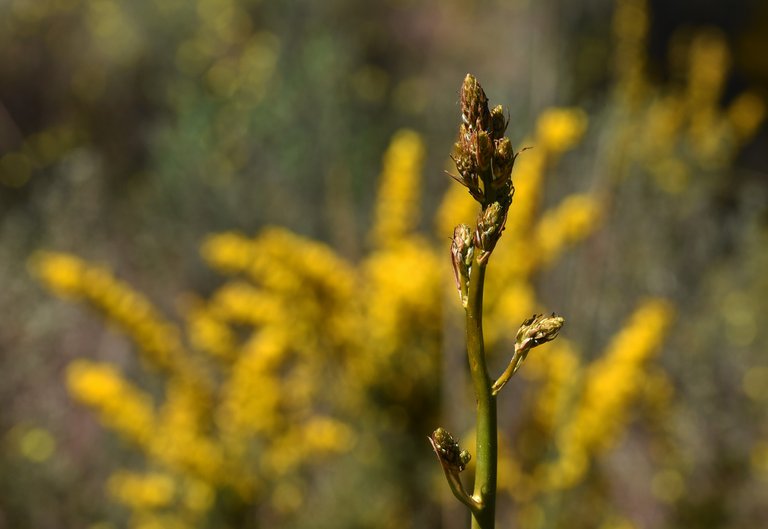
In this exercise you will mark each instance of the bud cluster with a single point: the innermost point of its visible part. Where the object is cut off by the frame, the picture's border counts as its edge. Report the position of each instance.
(448, 450)
(484, 159)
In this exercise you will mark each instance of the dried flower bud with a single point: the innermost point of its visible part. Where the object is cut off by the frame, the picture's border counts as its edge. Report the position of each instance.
(499, 122)
(464, 144)
(474, 104)
(448, 450)
(490, 224)
(539, 329)
(483, 148)
(466, 165)
(503, 161)
(462, 253)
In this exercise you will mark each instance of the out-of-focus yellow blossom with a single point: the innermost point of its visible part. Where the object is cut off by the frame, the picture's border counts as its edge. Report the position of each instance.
(397, 207)
(142, 491)
(228, 252)
(610, 384)
(528, 175)
(251, 397)
(318, 436)
(120, 404)
(62, 273)
(456, 207)
(570, 221)
(198, 495)
(559, 371)
(240, 303)
(559, 129)
(210, 334)
(158, 339)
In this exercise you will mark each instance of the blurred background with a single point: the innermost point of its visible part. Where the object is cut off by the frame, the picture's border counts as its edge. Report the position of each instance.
(226, 288)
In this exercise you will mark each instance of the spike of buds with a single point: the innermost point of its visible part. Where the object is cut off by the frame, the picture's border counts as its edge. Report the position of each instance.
(483, 156)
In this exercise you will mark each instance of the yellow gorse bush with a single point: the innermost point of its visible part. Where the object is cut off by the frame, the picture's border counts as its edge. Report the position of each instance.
(252, 411)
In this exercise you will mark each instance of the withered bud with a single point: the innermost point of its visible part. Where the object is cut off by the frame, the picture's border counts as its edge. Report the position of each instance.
(448, 450)
(539, 329)
(465, 138)
(483, 148)
(503, 161)
(499, 122)
(466, 165)
(490, 224)
(462, 252)
(474, 104)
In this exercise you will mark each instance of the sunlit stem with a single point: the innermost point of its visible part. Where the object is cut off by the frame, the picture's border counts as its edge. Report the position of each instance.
(457, 487)
(521, 351)
(486, 451)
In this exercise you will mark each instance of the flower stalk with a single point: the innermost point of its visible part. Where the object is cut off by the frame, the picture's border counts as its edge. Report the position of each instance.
(484, 159)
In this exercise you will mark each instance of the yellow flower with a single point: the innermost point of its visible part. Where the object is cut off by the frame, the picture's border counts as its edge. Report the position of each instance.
(398, 205)
(557, 130)
(142, 491)
(120, 404)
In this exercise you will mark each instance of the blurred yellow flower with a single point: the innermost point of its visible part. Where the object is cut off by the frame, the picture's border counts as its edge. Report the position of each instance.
(559, 129)
(142, 491)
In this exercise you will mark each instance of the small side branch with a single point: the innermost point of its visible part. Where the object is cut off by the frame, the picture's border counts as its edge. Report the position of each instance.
(453, 460)
(534, 331)
(514, 364)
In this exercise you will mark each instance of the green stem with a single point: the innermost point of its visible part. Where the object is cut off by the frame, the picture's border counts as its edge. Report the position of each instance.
(457, 488)
(486, 452)
(514, 365)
